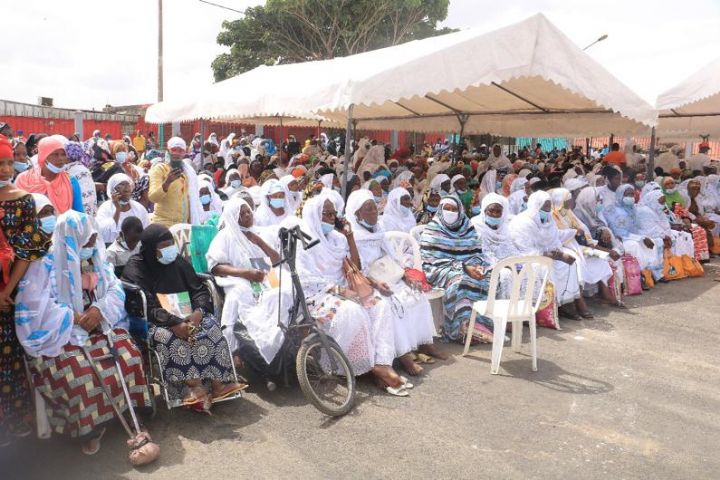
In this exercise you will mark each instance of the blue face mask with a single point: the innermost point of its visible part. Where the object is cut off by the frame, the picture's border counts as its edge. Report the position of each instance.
(598, 207)
(431, 209)
(168, 254)
(277, 202)
(475, 210)
(327, 227)
(47, 224)
(640, 183)
(405, 210)
(121, 157)
(523, 206)
(205, 199)
(86, 252)
(498, 185)
(492, 221)
(5, 183)
(378, 199)
(544, 216)
(628, 201)
(21, 166)
(236, 184)
(366, 224)
(54, 169)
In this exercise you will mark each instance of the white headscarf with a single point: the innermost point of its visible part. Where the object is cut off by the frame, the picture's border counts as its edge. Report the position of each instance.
(367, 242)
(453, 180)
(435, 184)
(530, 235)
(496, 243)
(323, 263)
(243, 249)
(396, 217)
(403, 176)
(264, 216)
(41, 201)
(52, 289)
(294, 199)
(488, 183)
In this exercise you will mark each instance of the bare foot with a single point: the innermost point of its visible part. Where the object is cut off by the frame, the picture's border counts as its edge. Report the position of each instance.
(409, 365)
(433, 351)
(386, 376)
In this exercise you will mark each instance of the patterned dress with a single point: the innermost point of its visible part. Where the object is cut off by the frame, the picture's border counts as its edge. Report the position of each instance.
(21, 229)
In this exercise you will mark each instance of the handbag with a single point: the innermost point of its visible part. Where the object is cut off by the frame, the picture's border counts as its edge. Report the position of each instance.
(415, 275)
(633, 284)
(546, 315)
(692, 267)
(673, 268)
(357, 282)
(386, 270)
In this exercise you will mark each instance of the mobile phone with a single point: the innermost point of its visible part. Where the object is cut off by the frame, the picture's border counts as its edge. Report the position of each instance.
(339, 223)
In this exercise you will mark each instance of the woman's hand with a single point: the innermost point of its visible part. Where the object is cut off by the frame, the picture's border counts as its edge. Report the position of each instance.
(6, 300)
(254, 275)
(605, 237)
(253, 237)
(195, 318)
(383, 288)
(90, 319)
(414, 284)
(667, 242)
(182, 330)
(478, 273)
(614, 255)
(648, 243)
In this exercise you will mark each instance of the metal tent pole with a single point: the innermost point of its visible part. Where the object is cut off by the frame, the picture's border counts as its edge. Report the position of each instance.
(349, 132)
(651, 156)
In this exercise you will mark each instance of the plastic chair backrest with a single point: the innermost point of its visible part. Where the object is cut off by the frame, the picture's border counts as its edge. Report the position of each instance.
(401, 246)
(417, 231)
(181, 233)
(522, 268)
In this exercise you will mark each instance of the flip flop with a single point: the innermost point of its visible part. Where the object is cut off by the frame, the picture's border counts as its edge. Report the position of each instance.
(406, 384)
(424, 358)
(237, 388)
(400, 391)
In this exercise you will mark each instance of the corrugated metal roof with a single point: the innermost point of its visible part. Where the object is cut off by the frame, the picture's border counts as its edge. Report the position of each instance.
(19, 109)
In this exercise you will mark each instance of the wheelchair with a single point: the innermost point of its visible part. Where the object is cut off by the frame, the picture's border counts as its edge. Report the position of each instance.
(136, 306)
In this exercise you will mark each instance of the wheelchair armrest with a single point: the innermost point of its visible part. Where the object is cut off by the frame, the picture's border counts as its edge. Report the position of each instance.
(209, 282)
(135, 289)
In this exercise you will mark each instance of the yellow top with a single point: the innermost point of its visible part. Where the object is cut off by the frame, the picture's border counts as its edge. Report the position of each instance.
(139, 143)
(171, 207)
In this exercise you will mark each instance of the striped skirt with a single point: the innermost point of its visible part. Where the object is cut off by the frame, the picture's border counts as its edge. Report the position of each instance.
(76, 402)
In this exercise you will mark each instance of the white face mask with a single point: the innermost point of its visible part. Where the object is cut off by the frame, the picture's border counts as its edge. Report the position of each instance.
(450, 217)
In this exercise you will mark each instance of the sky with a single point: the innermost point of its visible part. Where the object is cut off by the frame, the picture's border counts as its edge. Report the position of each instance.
(89, 53)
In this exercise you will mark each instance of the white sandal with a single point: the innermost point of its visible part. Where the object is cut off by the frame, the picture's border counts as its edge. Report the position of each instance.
(406, 384)
(400, 391)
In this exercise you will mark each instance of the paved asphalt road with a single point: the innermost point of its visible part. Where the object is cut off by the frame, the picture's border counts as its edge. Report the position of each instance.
(628, 395)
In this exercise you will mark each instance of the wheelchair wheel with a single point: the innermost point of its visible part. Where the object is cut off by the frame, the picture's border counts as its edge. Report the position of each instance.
(331, 392)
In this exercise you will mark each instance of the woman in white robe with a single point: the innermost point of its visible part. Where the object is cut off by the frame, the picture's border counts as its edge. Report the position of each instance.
(653, 219)
(592, 260)
(233, 258)
(622, 220)
(120, 206)
(365, 333)
(535, 233)
(210, 203)
(398, 214)
(412, 316)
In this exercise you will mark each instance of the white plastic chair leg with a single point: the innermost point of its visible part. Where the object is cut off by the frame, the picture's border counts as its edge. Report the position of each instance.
(470, 329)
(533, 342)
(516, 338)
(500, 326)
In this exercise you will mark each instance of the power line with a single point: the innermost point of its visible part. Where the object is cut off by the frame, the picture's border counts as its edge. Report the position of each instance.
(220, 6)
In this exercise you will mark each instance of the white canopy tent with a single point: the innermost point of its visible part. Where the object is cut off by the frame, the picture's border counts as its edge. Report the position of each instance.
(524, 79)
(691, 108)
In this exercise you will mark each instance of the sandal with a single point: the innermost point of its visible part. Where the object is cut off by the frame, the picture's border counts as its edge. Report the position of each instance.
(194, 398)
(423, 358)
(397, 392)
(21, 430)
(92, 446)
(231, 389)
(587, 315)
(406, 384)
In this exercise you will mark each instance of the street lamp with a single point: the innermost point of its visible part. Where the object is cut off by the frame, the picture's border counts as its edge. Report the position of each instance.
(596, 41)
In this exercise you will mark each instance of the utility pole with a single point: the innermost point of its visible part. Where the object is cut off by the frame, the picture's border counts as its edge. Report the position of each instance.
(161, 127)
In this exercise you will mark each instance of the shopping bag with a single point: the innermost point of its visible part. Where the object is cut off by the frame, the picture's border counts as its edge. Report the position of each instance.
(633, 284)
(692, 267)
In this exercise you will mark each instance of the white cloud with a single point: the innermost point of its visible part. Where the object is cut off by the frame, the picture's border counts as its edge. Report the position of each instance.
(86, 53)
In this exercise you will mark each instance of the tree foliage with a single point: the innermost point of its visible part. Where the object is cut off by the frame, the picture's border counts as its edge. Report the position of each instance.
(291, 31)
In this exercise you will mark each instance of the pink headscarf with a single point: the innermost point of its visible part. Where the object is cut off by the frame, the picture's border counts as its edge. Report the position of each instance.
(58, 190)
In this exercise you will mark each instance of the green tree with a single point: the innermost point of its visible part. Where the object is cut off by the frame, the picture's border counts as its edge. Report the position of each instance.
(291, 31)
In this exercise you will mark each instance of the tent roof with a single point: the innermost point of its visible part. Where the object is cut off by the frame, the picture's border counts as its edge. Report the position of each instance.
(692, 107)
(524, 79)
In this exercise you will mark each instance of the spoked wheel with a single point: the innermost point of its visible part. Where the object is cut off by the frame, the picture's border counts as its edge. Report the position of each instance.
(330, 390)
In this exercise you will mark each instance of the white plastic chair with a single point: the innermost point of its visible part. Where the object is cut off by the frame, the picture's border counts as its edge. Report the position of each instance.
(516, 310)
(181, 234)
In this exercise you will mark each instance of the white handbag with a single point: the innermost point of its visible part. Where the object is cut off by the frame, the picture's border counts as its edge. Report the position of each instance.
(386, 270)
